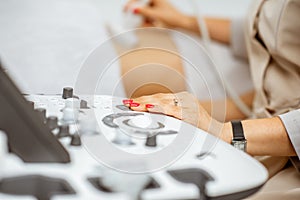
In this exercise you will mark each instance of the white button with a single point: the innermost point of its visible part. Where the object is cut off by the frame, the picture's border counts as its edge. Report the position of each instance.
(72, 103)
(70, 115)
(142, 121)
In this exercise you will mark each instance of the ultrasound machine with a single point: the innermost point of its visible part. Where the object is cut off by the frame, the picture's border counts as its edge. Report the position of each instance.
(87, 147)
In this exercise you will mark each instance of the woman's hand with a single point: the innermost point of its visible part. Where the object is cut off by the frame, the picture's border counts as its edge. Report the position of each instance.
(183, 106)
(159, 13)
(187, 108)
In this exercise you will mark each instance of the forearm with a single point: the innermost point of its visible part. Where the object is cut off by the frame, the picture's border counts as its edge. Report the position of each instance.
(264, 137)
(218, 28)
(231, 110)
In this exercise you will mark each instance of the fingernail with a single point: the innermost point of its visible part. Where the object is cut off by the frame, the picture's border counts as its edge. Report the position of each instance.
(127, 101)
(136, 11)
(149, 106)
(133, 104)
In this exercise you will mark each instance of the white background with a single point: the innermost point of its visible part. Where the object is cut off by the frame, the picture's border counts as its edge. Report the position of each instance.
(44, 42)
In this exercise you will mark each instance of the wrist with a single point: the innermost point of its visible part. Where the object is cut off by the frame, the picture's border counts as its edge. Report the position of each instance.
(218, 129)
(226, 134)
(185, 22)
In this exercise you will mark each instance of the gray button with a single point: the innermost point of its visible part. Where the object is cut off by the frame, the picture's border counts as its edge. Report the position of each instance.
(76, 141)
(83, 104)
(63, 131)
(41, 113)
(67, 93)
(52, 122)
(151, 141)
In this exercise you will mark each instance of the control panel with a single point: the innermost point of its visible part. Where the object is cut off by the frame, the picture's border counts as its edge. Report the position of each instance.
(117, 153)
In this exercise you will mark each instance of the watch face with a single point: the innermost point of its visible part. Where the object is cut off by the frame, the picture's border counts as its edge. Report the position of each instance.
(241, 145)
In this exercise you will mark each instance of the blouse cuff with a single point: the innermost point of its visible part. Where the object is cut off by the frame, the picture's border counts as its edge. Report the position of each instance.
(291, 121)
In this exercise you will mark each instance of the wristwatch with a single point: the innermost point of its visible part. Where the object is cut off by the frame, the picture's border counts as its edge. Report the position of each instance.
(238, 141)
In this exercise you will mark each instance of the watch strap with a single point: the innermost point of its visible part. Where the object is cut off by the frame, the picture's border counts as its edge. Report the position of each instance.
(237, 130)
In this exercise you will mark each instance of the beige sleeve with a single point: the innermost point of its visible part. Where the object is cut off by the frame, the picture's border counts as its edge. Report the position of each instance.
(291, 121)
(237, 38)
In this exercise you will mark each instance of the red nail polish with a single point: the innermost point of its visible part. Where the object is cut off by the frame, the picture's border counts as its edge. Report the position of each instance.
(133, 104)
(149, 106)
(127, 101)
(136, 11)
